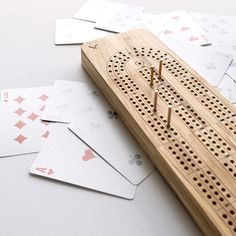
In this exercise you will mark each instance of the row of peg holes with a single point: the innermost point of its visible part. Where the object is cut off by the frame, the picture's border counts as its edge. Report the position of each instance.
(173, 99)
(153, 123)
(180, 110)
(191, 83)
(217, 151)
(218, 110)
(217, 183)
(205, 178)
(230, 165)
(214, 186)
(185, 155)
(230, 125)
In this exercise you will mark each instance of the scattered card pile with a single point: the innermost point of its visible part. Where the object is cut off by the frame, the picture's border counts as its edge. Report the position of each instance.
(79, 137)
(206, 42)
(85, 143)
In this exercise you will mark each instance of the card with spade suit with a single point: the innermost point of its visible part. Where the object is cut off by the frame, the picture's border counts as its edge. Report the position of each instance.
(66, 158)
(22, 130)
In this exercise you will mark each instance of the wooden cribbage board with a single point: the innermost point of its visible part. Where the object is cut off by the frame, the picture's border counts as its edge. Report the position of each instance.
(197, 154)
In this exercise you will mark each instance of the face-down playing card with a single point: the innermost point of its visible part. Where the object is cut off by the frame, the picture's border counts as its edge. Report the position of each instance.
(66, 158)
(22, 130)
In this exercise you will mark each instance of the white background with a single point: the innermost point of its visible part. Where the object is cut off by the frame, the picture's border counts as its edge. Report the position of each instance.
(35, 206)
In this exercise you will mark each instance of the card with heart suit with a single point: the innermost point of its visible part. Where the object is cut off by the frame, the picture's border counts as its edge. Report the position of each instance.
(179, 25)
(109, 138)
(227, 88)
(126, 20)
(218, 28)
(93, 10)
(67, 104)
(67, 101)
(73, 31)
(210, 64)
(22, 130)
(66, 158)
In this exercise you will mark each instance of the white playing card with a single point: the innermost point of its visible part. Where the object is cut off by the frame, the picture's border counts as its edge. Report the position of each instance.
(70, 99)
(228, 49)
(218, 28)
(180, 26)
(127, 20)
(208, 63)
(73, 31)
(105, 133)
(227, 88)
(22, 131)
(92, 10)
(66, 158)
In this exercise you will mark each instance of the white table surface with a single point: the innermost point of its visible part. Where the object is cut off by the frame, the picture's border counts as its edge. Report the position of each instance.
(35, 206)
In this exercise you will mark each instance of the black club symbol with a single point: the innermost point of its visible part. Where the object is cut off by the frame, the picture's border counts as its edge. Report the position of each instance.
(95, 93)
(136, 159)
(112, 115)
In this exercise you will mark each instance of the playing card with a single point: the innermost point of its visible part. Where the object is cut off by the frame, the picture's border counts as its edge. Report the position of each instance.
(227, 88)
(208, 63)
(103, 131)
(66, 158)
(22, 131)
(179, 25)
(228, 49)
(73, 31)
(218, 28)
(70, 99)
(127, 20)
(92, 10)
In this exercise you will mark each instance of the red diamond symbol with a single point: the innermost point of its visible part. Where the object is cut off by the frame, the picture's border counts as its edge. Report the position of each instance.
(45, 123)
(43, 97)
(20, 124)
(20, 139)
(19, 99)
(19, 111)
(45, 135)
(42, 108)
(50, 172)
(32, 116)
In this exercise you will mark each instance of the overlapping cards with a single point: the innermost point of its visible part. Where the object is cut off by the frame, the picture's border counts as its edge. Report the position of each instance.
(183, 32)
(79, 137)
(102, 156)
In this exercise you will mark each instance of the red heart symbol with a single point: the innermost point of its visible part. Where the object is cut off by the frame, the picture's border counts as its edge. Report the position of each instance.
(45, 170)
(88, 155)
(50, 172)
(184, 28)
(192, 38)
(167, 32)
(175, 17)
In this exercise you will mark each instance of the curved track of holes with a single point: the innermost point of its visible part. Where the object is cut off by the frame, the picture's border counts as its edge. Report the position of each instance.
(186, 159)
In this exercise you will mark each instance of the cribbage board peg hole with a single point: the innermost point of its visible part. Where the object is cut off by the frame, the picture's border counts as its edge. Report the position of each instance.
(151, 75)
(169, 115)
(155, 100)
(160, 70)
